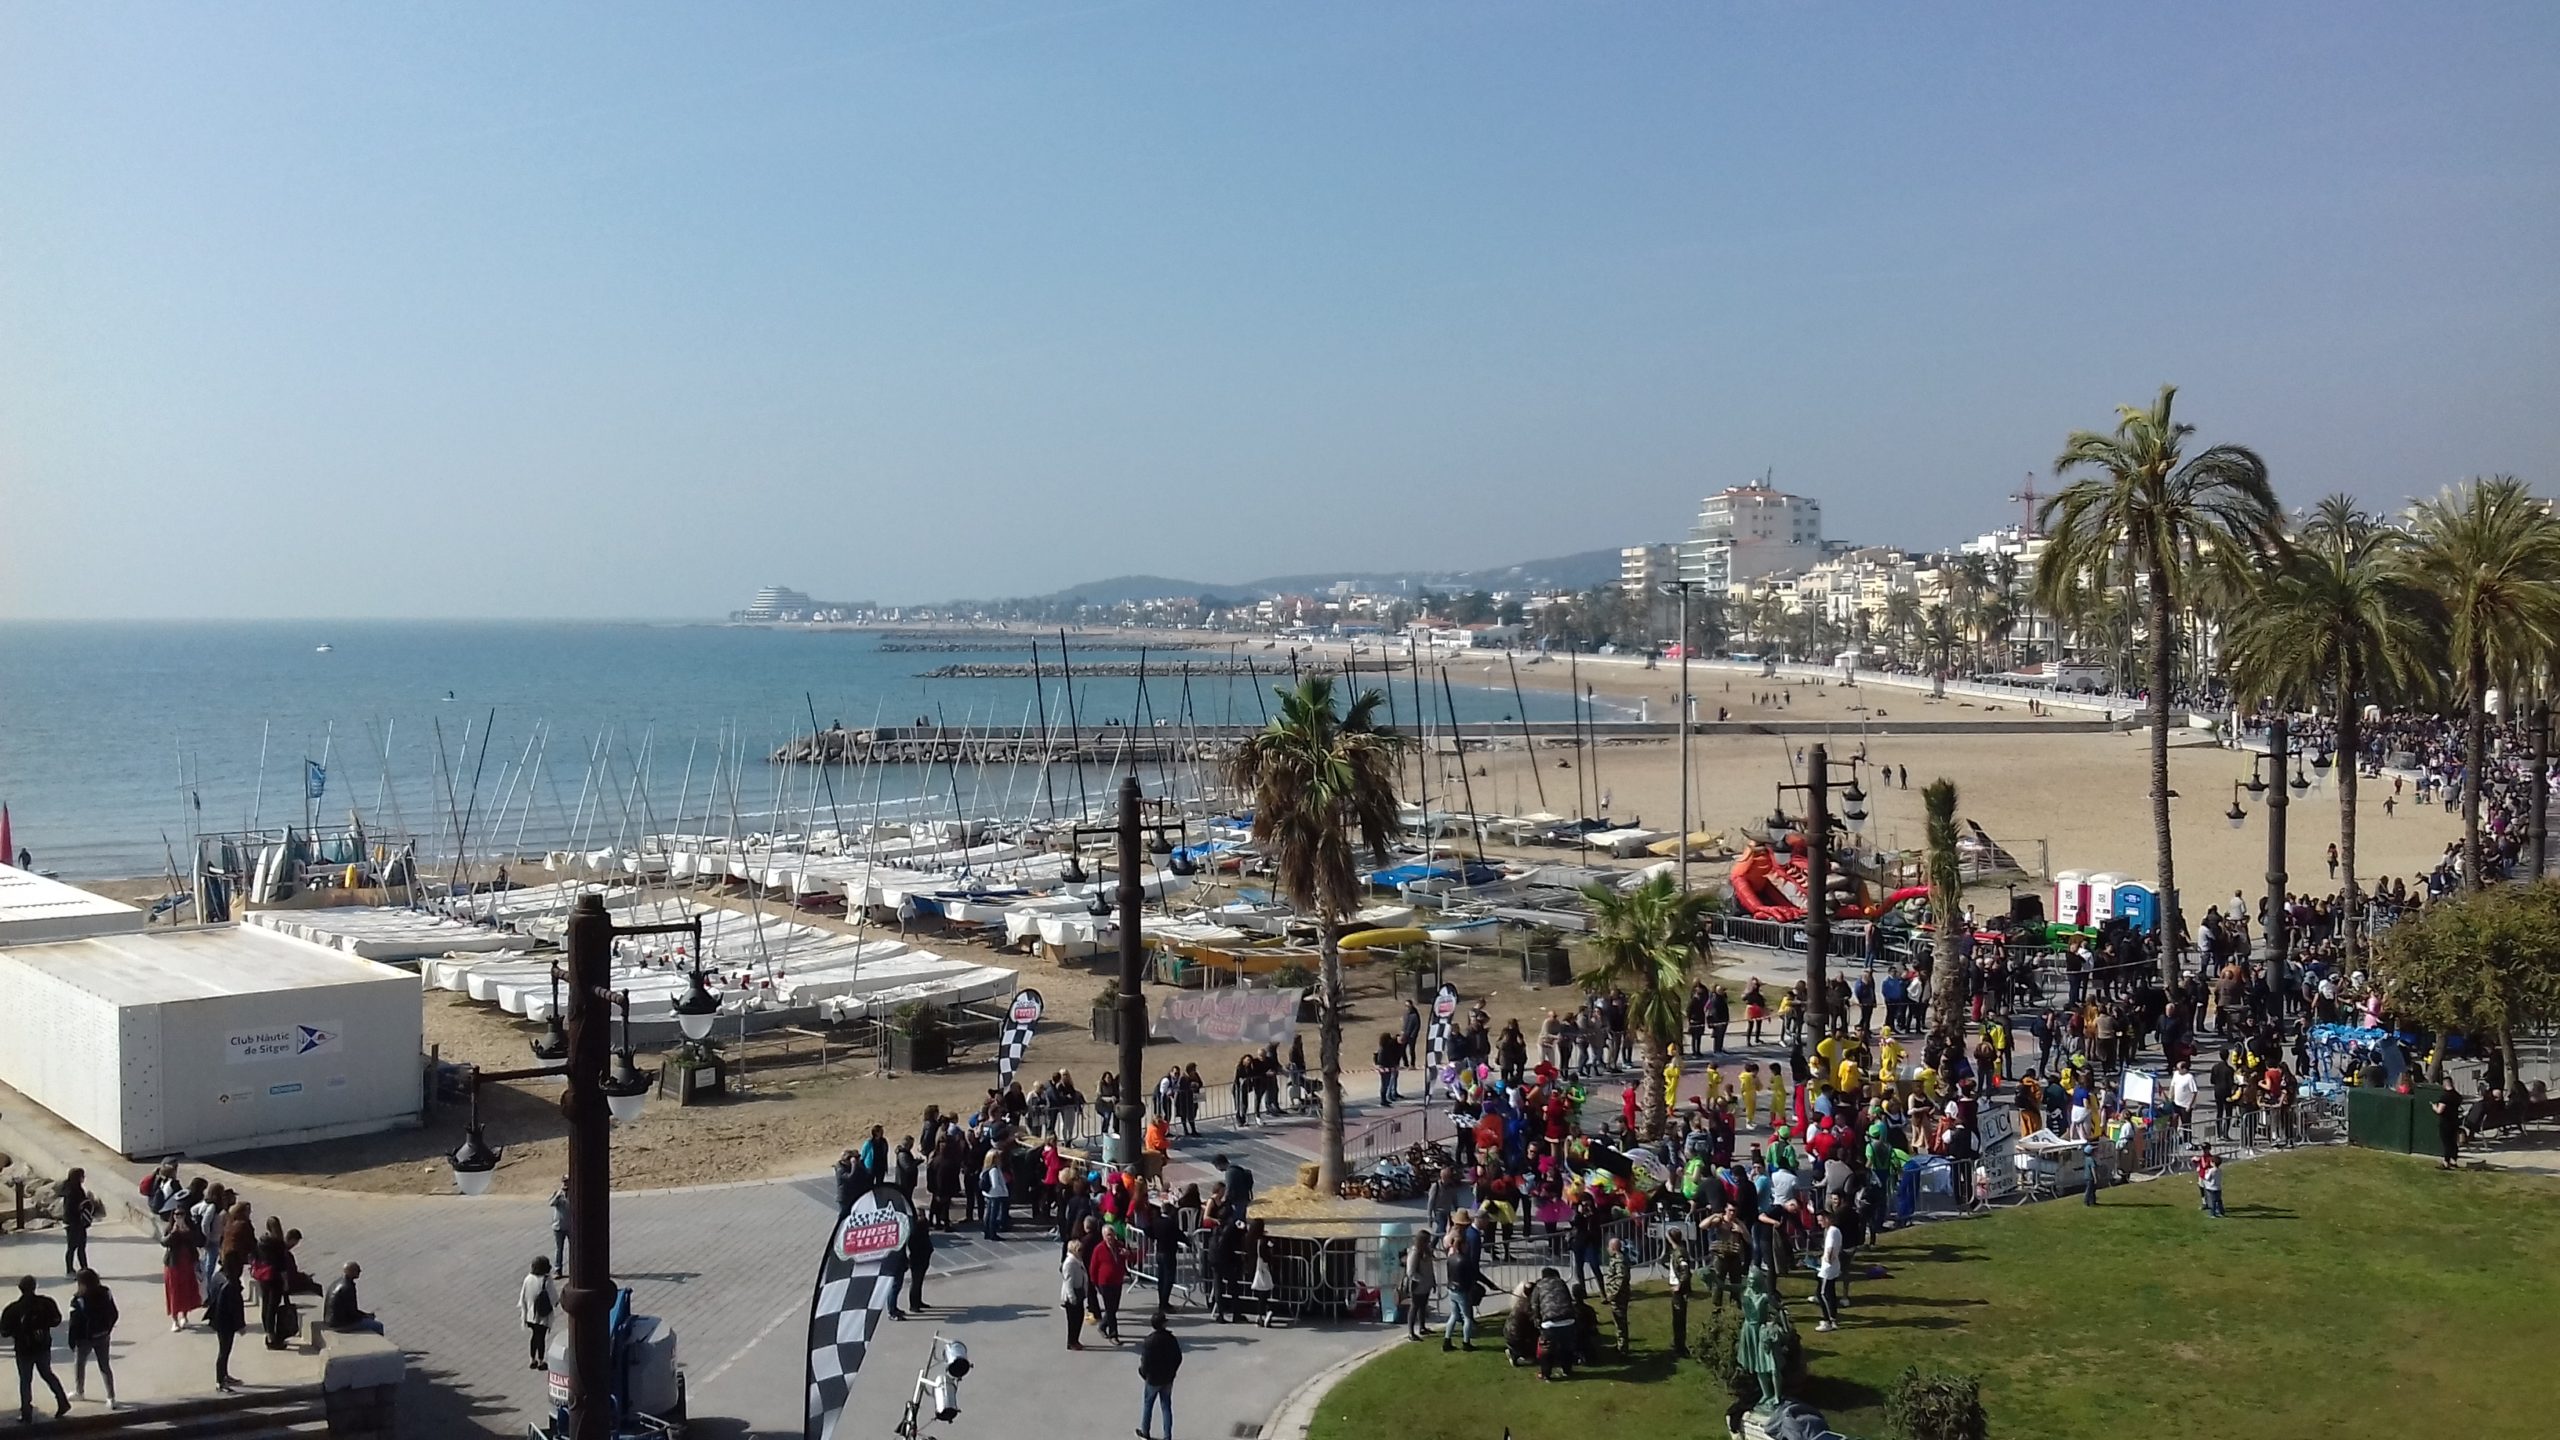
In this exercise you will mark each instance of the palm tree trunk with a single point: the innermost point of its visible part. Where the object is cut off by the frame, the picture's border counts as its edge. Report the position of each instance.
(1946, 979)
(2475, 748)
(2163, 666)
(1331, 1168)
(2350, 721)
(1653, 1107)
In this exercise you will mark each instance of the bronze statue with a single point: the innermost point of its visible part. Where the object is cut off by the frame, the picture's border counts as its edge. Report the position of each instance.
(1767, 1338)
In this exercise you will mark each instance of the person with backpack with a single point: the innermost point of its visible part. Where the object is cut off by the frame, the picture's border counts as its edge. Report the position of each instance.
(29, 1322)
(93, 1321)
(536, 1301)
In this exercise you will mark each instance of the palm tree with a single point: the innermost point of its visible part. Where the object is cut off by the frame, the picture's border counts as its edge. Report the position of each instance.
(1902, 617)
(2145, 509)
(1998, 618)
(2489, 552)
(1946, 907)
(1648, 941)
(2337, 619)
(1938, 638)
(1323, 786)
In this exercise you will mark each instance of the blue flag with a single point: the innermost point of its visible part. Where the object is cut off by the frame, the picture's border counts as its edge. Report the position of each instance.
(315, 779)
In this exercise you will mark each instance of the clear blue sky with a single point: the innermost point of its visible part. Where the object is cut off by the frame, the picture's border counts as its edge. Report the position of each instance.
(449, 309)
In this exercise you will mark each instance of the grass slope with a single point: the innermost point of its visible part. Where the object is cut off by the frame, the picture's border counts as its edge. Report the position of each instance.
(2348, 1293)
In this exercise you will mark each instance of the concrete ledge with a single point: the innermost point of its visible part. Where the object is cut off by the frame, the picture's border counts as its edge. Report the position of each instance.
(369, 1412)
(358, 1360)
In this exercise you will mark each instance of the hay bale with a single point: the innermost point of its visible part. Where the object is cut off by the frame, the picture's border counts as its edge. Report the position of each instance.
(1307, 1175)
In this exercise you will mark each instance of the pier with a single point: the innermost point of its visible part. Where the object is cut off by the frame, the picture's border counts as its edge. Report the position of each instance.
(1117, 744)
(1161, 670)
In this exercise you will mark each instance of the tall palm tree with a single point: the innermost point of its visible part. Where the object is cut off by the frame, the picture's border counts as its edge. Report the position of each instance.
(1648, 941)
(2338, 621)
(1902, 617)
(1946, 907)
(1998, 618)
(2145, 509)
(2489, 552)
(1938, 638)
(1324, 787)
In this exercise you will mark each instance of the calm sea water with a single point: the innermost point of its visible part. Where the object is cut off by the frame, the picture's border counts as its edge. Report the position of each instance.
(114, 736)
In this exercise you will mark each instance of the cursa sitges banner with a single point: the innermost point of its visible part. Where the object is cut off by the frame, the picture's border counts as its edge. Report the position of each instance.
(866, 1257)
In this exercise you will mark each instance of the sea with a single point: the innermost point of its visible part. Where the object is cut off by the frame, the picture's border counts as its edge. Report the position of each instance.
(121, 741)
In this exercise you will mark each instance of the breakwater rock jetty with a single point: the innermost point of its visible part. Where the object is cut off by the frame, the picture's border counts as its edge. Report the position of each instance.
(1004, 745)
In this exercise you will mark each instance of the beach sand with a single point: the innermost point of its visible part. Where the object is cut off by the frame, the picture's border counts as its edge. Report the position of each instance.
(2056, 799)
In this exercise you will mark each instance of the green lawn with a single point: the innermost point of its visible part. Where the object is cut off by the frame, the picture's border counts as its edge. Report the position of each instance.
(2348, 1293)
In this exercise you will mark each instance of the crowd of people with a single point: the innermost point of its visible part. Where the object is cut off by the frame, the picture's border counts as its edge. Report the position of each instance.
(217, 1262)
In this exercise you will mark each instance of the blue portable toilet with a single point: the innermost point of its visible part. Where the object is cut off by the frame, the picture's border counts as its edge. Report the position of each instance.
(2139, 904)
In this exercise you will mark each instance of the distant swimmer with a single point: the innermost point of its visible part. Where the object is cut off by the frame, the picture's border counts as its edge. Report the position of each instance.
(449, 695)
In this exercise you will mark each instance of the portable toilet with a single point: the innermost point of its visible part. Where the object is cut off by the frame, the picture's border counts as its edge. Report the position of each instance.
(2102, 898)
(2070, 899)
(2139, 904)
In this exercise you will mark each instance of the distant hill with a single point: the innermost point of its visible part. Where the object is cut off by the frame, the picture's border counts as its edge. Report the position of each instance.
(1562, 572)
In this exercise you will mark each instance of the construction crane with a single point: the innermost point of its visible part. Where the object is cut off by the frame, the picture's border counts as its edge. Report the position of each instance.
(2027, 497)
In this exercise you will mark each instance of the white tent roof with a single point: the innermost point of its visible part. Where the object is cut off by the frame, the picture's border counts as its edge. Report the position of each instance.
(34, 910)
(139, 969)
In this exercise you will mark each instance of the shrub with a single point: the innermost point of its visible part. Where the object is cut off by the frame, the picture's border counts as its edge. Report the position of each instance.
(917, 1018)
(1936, 1405)
(1713, 1344)
(1293, 977)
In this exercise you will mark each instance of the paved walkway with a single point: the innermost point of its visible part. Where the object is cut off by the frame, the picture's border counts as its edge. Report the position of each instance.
(150, 1362)
(731, 1268)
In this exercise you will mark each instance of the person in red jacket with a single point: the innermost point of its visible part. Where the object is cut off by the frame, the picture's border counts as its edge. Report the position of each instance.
(1107, 1270)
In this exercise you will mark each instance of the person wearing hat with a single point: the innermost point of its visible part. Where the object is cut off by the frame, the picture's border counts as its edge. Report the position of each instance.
(1465, 1250)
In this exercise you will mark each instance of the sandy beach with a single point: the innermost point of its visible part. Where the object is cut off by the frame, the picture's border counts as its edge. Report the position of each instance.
(2057, 797)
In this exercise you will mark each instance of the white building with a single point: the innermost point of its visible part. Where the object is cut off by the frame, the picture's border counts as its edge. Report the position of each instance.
(1645, 569)
(1749, 531)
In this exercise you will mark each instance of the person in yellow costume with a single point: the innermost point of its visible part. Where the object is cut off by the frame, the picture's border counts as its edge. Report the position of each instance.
(1850, 1079)
(1748, 1086)
(1671, 1081)
(1892, 1053)
(1826, 1055)
(1715, 1086)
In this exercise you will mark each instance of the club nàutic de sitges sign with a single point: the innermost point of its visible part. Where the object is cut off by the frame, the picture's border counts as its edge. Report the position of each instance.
(282, 1042)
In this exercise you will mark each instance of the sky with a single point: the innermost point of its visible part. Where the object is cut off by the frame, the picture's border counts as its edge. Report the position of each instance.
(466, 309)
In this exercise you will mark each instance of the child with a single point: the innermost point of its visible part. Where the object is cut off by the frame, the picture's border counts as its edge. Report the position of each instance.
(1749, 1087)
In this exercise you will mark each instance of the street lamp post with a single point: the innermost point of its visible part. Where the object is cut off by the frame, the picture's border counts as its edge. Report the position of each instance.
(1133, 1004)
(2279, 749)
(1683, 587)
(2540, 819)
(598, 1091)
(1129, 1115)
(1817, 873)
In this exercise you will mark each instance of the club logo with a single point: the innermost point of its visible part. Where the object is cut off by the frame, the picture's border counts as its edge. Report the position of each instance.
(1026, 1007)
(866, 1237)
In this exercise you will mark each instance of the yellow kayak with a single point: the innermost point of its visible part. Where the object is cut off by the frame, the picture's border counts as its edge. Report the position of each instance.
(1388, 937)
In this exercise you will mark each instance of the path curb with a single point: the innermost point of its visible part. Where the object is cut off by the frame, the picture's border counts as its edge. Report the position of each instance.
(1296, 1412)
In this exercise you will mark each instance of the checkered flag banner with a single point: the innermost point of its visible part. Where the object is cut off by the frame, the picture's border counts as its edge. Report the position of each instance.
(866, 1259)
(1444, 1019)
(1020, 1017)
